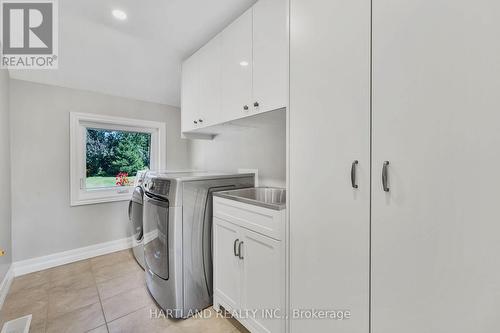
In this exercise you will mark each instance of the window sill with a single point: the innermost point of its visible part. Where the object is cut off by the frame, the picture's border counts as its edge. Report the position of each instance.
(94, 199)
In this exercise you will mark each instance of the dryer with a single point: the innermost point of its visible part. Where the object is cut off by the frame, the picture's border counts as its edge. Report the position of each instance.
(178, 255)
(135, 215)
(135, 212)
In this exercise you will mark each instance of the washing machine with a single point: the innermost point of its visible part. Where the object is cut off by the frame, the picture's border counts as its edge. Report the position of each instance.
(135, 214)
(178, 255)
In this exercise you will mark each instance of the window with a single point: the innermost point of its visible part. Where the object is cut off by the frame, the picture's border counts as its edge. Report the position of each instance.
(107, 152)
(113, 157)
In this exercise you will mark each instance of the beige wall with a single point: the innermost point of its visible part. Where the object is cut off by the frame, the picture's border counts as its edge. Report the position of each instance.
(5, 194)
(43, 221)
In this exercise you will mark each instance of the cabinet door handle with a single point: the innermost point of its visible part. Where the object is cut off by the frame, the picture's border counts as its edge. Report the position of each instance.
(195, 122)
(256, 104)
(236, 254)
(239, 251)
(353, 174)
(200, 120)
(385, 177)
(245, 107)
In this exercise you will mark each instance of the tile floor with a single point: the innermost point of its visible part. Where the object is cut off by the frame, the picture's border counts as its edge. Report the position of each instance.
(98, 295)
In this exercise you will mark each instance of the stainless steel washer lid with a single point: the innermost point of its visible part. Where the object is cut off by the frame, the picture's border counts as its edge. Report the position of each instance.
(168, 185)
(196, 175)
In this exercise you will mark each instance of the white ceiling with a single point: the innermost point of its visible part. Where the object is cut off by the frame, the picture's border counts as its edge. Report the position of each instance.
(137, 58)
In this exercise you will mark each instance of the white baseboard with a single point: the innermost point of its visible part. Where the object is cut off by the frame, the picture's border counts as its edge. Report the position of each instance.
(5, 285)
(52, 260)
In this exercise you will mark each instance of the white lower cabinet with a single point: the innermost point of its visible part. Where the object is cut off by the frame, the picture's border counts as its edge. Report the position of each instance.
(262, 280)
(249, 275)
(227, 265)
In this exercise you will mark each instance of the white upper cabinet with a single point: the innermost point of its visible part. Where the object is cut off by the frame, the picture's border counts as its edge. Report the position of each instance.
(237, 68)
(270, 55)
(242, 71)
(190, 93)
(201, 87)
(210, 83)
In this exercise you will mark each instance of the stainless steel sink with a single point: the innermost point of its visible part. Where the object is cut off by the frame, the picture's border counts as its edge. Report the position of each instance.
(269, 197)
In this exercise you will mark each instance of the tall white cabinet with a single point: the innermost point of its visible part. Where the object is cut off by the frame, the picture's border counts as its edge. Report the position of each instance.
(409, 89)
(329, 132)
(436, 119)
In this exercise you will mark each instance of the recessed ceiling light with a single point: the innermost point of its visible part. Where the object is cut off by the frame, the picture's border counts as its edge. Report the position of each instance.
(244, 63)
(119, 14)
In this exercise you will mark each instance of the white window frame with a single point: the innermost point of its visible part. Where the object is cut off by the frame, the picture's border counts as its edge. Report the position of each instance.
(79, 122)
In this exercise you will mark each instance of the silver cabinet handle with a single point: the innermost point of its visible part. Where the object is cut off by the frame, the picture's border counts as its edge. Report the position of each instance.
(385, 177)
(239, 251)
(195, 122)
(236, 254)
(256, 104)
(200, 120)
(353, 174)
(245, 107)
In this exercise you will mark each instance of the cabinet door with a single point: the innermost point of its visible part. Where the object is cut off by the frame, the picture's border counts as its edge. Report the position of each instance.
(210, 83)
(435, 234)
(190, 92)
(263, 281)
(329, 130)
(270, 55)
(227, 266)
(237, 67)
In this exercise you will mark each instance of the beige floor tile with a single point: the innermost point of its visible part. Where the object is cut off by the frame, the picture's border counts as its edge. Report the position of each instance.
(108, 272)
(37, 326)
(207, 322)
(62, 301)
(15, 307)
(112, 258)
(125, 303)
(29, 281)
(75, 281)
(239, 327)
(68, 299)
(70, 270)
(27, 295)
(140, 321)
(121, 284)
(100, 329)
(226, 315)
(81, 320)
